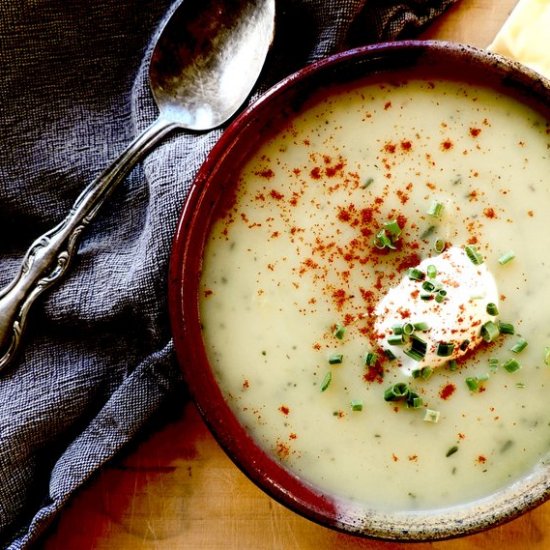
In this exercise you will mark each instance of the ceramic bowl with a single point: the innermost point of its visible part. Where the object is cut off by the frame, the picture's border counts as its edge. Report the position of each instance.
(212, 187)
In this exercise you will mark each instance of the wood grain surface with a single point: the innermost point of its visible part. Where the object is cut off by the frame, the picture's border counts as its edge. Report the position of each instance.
(176, 489)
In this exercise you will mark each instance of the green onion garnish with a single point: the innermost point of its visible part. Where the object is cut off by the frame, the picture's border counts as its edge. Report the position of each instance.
(490, 331)
(381, 240)
(440, 295)
(326, 381)
(415, 274)
(506, 257)
(436, 209)
(439, 245)
(428, 286)
(431, 270)
(419, 344)
(506, 328)
(444, 349)
(371, 358)
(472, 383)
(408, 329)
(493, 364)
(393, 228)
(464, 345)
(335, 359)
(414, 354)
(339, 331)
(396, 340)
(428, 232)
(389, 354)
(475, 257)
(421, 326)
(426, 297)
(519, 346)
(356, 405)
(425, 373)
(451, 451)
(547, 356)
(492, 309)
(396, 392)
(414, 401)
(452, 364)
(431, 416)
(512, 365)
(367, 182)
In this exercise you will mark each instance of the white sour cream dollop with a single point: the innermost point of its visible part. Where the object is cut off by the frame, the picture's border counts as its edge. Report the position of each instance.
(457, 320)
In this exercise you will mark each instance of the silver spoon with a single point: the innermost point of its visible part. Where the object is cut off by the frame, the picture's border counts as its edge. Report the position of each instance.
(203, 67)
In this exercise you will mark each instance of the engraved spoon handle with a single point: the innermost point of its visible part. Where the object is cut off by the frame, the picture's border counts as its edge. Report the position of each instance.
(49, 255)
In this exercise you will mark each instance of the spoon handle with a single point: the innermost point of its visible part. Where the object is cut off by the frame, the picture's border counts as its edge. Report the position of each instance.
(49, 255)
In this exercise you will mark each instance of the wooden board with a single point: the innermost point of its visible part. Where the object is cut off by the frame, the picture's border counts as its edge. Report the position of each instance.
(178, 490)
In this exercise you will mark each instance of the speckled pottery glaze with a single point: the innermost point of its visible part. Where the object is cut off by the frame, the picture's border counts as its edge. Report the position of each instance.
(206, 197)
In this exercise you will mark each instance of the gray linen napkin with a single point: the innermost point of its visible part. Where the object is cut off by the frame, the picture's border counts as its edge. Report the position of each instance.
(98, 365)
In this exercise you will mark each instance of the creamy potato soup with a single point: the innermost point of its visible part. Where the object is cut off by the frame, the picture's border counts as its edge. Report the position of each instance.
(374, 301)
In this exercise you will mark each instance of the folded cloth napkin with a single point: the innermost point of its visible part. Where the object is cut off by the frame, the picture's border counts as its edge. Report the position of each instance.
(98, 365)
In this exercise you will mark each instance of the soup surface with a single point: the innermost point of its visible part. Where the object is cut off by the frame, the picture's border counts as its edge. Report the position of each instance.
(331, 212)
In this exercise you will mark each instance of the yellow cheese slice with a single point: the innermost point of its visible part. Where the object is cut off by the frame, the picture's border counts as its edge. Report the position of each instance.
(525, 35)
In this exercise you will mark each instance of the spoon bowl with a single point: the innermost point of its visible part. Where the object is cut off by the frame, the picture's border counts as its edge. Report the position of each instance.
(204, 65)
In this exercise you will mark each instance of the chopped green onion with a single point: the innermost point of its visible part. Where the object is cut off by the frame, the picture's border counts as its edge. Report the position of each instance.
(475, 257)
(506, 257)
(464, 345)
(547, 356)
(426, 297)
(389, 354)
(415, 274)
(451, 451)
(506, 328)
(490, 331)
(326, 381)
(512, 365)
(396, 340)
(520, 385)
(436, 209)
(472, 383)
(452, 364)
(483, 377)
(519, 346)
(408, 329)
(424, 373)
(414, 401)
(444, 349)
(428, 232)
(356, 405)
(431, 416)
(339, 331)
(414, 354)
(440, 245)
(421, 326)
(396, 392)
(419, 344)
(493, 364)
(492, 308)
(428, 286)
(367, 182)
(440, 295)
(381, 240)
(397, 329)
(393, 228)
(335, 358)
(371, 358)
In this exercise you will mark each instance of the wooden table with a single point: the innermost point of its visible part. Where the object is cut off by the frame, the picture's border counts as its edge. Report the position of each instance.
(176, 489)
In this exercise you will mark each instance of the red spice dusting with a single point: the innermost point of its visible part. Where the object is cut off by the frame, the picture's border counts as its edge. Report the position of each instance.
(387, 105)
(410, 260)
(340, 296)
(413, 458)
(474, 132)
(447, 144)
(390, 147)
(489, 213)
(530, 213)
(481, 459)
(268, 173)
(375, 373)
(292, 436)
(282, 450)
(276, 195)
(447, 391)
(284, 409)
(315, 173)
(246, 384)
(406, 145)
(394, 457)
(208, 293)
(405, 313)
